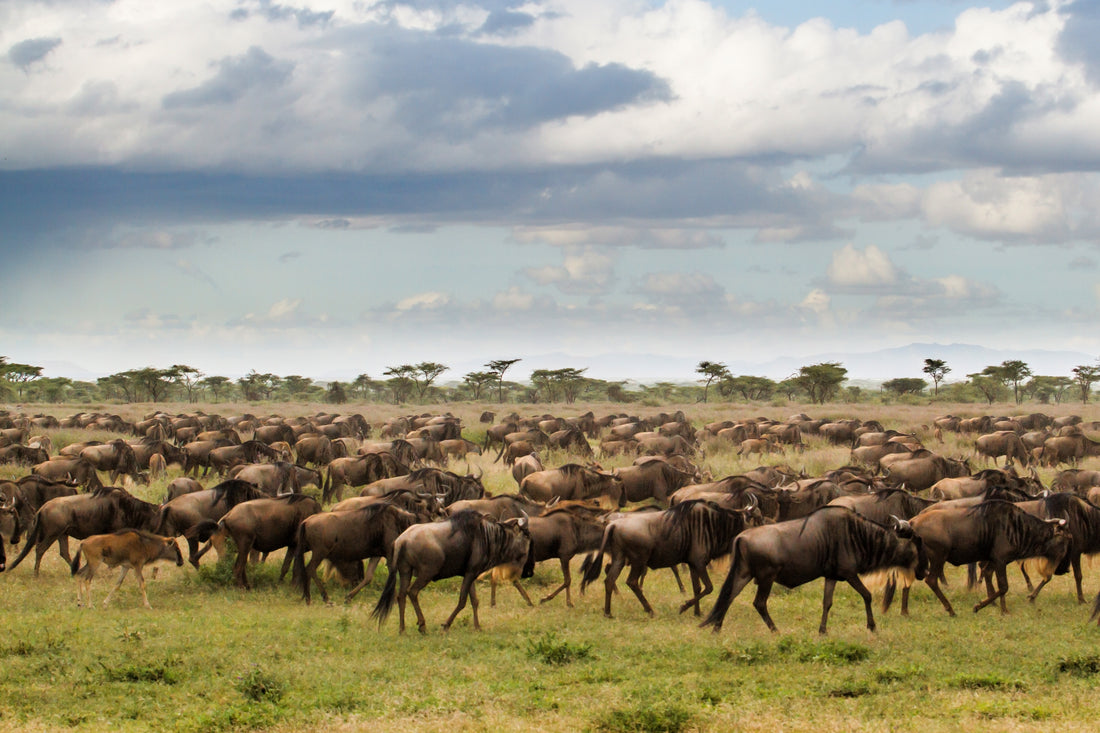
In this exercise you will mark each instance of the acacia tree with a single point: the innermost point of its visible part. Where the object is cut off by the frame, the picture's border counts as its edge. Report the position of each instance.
(400, 381)
(215, 384)
(186, 377)
(477, 381)
(1010, 372)
(336, 393)
(424, 373)
(1083, 377)
(905, 385)
(821, 381)
(751, 388)
(711, 370)
(991, 386)
(1044, 388)
(297, 385)
(498, 367)
(362, 385)
(937, 369)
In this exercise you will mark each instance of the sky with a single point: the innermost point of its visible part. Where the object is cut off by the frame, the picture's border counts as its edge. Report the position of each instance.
(332, 187)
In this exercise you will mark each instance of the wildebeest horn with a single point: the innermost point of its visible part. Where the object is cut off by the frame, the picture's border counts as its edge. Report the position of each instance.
(752, 503)
(1059, 522)
(553, 501)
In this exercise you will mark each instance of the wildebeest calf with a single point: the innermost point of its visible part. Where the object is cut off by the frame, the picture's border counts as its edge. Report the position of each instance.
(129, 548)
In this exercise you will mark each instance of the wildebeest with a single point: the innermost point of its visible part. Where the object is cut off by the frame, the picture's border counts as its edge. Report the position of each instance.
(693, 532)
(180, 486)
(79, 470)
(655, 480)
(23, 455)
(501, 506)
(834, 542)
(248, 452)
(922, 470)
(466, 545)
(345, 537)
(573, 481)
(1005, 443)
(559, 534)
(129, 548)
(994, 532)
(525, 466)
(360, 470)
(1083, 522)
(448, 486)
(106, 510)
(181, 514)
(116, 458)
(280, 477)
(884, 504)
(263, 525)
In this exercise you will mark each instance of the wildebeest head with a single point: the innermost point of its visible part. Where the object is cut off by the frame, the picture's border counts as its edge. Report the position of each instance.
(522, 532)
(905, 531)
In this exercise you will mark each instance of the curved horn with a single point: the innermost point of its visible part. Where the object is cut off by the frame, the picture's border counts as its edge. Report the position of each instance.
(753, 503)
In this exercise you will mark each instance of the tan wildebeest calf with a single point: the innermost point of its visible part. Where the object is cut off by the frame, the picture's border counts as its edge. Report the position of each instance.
(130, 548)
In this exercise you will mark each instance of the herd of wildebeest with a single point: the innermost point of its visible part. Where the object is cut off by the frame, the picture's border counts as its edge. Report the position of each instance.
(897, 509)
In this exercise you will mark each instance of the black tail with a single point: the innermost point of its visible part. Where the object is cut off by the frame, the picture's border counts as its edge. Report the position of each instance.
(33, 537)
(972, 576)
(1095, 608)
(202, 531)
(725, 596)
(298, 575)
(592, 572)
(389, 592)
(888, 593)
(74, 566)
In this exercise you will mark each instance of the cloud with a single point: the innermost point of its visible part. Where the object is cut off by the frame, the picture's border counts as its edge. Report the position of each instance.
(1082, 263)
(157, 239)
(513, 299)
(28, 52)
(192, 270)
(283, 308)
(584, 271)
(275, 12)
(253, 71)
(424, 302)
(688, 293)
(287, 257)
(619, 236)
(855, 269)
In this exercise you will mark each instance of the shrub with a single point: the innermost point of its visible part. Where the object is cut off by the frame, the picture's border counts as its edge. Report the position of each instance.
(260, 686)
(644, 719)
(548, 649)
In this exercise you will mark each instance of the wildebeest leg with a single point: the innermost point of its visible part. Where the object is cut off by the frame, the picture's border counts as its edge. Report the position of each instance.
(193, 551)
(240, 567)
(856, 583)
(371, 567)
(1035, 594)
(414, 596)
(701, 585)
(634, 582)
(1075, 562)
(933, 581)
(1002, 589)
(760, 603)
(566, 581)
(121, 577)
(522, 592)
(679, 583)
(287, 560)
(826, 604)
(613, 569)
(311, 572)
(141, 584)
(466, 590)
(1023, 572)
(40, 550)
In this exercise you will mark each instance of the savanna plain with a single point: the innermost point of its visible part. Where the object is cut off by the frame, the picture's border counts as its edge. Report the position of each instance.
(211, 657)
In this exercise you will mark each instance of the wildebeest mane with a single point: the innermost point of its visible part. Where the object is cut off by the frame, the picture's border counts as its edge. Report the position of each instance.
(234, 491)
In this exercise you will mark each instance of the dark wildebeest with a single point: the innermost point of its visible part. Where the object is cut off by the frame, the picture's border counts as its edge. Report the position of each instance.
(261, 525)
(116, 458)
(884, 504)
(834, 543)
(79, 470)
(466, 545)
(693, 532)
(525, 466)
(501, 506)
(130, 548)
(22, 455)
(180, 486)
(360, 470)
(655, 480)
(106, 510)
(146, 449)
(273, 479)
(1005, 443)
(250, 451)
(558, 534)
(346, 538)
(449, 487)
(573, 481)
(181, 514)
(1083, 522)
(921, 471)
(27, 495)
(994, 532)
(458, 448)
(316, 450)
(197, 453)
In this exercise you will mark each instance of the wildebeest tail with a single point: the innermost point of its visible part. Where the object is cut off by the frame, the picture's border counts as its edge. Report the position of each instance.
(74, 566)
(202, 531)
(1095, 608)
(389, 592)
(725, 595)
(592, 571)
(33, 538)
(298, 575)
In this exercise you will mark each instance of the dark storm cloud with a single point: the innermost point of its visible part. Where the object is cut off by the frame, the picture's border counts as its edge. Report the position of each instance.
(236, 76)
(51, 207)
(457, 87)
(1078, 40)
(503, 22)
(276, 12)
(27, 52)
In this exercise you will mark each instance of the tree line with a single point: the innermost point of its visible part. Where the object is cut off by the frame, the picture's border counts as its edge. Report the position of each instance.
(419, 383)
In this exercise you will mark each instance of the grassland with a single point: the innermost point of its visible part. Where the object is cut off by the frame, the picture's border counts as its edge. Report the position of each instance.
(210, 657)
